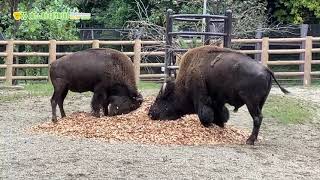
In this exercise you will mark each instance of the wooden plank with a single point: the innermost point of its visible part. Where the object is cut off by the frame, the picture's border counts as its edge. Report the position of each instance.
(285, 62)
(316, 38)
(30, 77)
(315, 62)
(2, 78)
(137, 59)
(153, 53)
(246, 40)
(152, 75)
(129, 53)
(315, 73)
(73, 42)
(286, 51)
(316, 50)
(3, 54)
(289, 73)
(307, 60)
(250, 51)
(31, 42)
(117, 42)
(285, 40)
(265, 48)
(3, 66)
(9, 62)
(151, 64)
(31, 54)
(30, 65)
(3, 42)
(63, 53)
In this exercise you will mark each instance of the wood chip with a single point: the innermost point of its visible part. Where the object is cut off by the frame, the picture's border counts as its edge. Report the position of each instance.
(137, 127)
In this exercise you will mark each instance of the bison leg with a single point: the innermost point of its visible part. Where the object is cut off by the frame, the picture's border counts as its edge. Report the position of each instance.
(204, 110)
(256, 115)
(60, 102)
(60, 91)
(98, 98)
(221, 115)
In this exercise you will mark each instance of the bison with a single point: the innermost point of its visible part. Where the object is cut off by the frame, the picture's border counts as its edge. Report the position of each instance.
(209, 77)
(108, 73)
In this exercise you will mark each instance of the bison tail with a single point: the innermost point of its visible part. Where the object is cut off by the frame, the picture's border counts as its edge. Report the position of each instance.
(282, 89)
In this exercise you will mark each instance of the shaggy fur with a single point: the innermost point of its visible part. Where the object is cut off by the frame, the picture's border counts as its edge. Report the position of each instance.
(209, 77)
(105, 72)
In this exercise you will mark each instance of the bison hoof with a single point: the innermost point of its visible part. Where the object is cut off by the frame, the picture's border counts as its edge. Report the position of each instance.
(54, 120)
(250, 141)
(94, 114)
(206, 116)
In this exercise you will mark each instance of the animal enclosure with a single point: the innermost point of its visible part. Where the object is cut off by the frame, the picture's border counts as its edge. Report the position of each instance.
(307, 54)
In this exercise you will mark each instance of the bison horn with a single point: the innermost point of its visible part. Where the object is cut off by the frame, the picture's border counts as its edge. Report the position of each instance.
(109, 108)
(164, 87)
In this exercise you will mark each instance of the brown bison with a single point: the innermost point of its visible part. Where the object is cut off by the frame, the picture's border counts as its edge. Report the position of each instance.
(108, 73)
(210, 77)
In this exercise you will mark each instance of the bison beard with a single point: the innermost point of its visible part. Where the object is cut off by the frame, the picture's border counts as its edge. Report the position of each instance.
(208, 78)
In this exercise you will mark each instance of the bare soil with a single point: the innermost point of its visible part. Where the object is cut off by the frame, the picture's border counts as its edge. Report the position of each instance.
(283, 152)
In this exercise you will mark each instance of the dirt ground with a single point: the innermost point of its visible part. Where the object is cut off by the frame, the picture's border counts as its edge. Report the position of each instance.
(285, 151)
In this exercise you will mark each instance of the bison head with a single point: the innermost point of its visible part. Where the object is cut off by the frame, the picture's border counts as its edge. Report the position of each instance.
(123, 104)
(165, 106)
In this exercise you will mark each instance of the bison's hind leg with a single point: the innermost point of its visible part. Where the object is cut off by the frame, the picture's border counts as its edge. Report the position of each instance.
(59, 94)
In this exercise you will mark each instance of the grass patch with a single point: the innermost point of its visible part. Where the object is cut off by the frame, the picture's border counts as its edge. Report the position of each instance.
(288, 110)
(41, 89)
(148, 85)
(46, 89)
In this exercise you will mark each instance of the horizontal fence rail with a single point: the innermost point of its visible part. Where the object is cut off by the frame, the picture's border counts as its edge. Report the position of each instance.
(264, 52)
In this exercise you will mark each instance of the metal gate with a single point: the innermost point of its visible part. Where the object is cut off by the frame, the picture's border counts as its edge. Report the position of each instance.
(226, 19)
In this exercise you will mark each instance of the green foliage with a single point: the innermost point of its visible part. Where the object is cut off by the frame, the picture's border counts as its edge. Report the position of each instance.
(39, 29)
(288, 109)
(293, 11)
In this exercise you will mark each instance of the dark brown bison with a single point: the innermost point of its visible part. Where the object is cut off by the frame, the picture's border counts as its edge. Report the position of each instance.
(108, 73)
(208, 78)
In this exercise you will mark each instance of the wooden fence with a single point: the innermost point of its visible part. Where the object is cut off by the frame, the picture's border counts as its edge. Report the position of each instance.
(306, 51)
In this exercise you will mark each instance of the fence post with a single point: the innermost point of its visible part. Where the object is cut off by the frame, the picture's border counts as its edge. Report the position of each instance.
(257, 46)
(95, 44)
(137, 58)
(307, 61)
(265, 49)
(52, 54)
(52, 51)
(9, 62)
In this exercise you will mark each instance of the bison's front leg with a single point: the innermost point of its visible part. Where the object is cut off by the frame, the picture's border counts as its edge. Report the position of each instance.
(99, 96)
(204, 110)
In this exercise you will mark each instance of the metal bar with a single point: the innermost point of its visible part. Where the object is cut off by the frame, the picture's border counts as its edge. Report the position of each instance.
(200, 16)
(207, 29)
(227, 29)
(197, 33)
(151, 64)
(179, 50)
(168, 56)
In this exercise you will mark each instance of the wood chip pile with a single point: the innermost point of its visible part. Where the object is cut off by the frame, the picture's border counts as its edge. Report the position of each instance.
(138, 127)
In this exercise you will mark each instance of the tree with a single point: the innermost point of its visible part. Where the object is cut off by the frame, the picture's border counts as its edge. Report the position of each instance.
(297, 12)
(37, 29)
